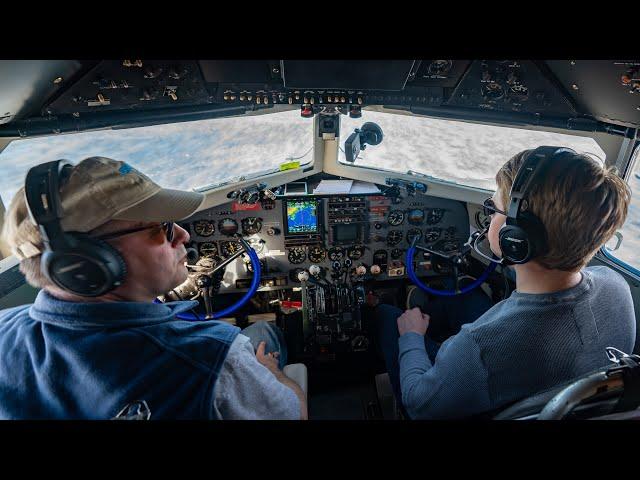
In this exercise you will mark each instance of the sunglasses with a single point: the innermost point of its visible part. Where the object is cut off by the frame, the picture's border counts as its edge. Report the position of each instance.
(489, 208)
(167, 227)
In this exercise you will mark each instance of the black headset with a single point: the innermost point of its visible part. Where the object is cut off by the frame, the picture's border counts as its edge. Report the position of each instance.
(523, 236)
(73, 261)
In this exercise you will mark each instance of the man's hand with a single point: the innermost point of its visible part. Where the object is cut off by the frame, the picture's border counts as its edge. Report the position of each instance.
(270, 360)
(413, 321)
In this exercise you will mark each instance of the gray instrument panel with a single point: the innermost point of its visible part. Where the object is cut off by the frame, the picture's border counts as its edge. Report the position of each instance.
(386, 225)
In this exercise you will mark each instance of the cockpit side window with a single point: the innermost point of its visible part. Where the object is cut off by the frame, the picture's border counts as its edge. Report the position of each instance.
(624, 247)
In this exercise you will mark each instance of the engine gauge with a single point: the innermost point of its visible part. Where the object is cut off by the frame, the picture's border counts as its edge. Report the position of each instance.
(251, 225)
(432, 234)
(435, 215)
(396, 217)
(492, 91)
(394, 237)
(208, 249)
(297, 255)
(336, 253)
(413, 233)
(397, 253)
(317, 254)
(229, 248)
(355, 252)
(519, 93)
(204, 228)
(416, 216)
(228, 227)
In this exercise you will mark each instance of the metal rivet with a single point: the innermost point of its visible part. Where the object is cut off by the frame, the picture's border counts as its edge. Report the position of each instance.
(574, 86)
(57, 80)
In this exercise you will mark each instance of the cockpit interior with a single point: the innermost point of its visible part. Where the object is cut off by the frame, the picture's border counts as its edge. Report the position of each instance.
(332, 185)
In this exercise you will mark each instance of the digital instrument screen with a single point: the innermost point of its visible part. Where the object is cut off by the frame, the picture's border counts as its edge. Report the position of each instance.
(302, 216)
(346, 233)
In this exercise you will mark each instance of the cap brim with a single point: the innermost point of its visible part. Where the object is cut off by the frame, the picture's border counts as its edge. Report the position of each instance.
(165, 205)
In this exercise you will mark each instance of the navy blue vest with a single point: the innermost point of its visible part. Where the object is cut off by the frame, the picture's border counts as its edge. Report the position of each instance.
(65, 360)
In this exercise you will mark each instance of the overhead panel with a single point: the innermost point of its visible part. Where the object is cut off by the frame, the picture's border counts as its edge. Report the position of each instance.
(608, 89)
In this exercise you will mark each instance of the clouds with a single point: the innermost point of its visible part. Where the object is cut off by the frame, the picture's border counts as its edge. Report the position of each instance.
(191, 154)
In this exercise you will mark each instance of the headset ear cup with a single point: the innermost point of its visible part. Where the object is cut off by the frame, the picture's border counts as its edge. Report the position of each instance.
(536, 233)
(93, 268)
(514, 244)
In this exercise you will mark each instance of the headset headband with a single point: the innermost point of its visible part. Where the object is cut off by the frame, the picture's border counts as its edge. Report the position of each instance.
(536, 163)
(42, 194)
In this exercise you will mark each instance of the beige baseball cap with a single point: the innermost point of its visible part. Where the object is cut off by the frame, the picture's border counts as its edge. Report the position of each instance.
(98, 190)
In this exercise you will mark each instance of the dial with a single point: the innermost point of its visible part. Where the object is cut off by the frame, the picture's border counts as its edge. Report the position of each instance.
(413, 233)
(519, 93)
(396, 217)
(336, 253)
(396, 253)
(492, 91)
(355, 252)
(228, 227)
(440, 67)
(204, 228)
(416, 216)
(229, 248)
(251, 225)
(208, 249)
(317, 254)
(435, 215)
(297, 255)
(394, 237)
(432, 234)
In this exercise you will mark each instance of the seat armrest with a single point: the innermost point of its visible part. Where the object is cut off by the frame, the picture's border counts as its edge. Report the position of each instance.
(298, 373)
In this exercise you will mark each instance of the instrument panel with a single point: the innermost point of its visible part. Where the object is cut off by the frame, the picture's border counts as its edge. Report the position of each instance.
(334, 232)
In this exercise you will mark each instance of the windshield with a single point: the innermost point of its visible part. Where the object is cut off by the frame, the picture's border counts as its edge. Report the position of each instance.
(465, 153)
(181, 155)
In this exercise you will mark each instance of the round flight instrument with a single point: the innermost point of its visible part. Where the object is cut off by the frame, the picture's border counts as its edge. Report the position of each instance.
(208, 249)
(251, 225)
(336, 253)
(435, 215)
(397, 253)
(317, 254)
(204, 228)
(416, 216)
(355, 252)
(492, 91)
(396, 217)
(519, 93)
(414, 233)
(297, 255)
(394, 237)
(228, 227)
(432, 234)
(229, 248)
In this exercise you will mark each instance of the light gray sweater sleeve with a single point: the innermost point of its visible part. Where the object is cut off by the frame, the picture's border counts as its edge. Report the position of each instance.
(455, 385)
(247, 390)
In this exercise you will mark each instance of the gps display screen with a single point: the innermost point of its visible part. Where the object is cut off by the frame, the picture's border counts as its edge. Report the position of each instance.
(302, 216)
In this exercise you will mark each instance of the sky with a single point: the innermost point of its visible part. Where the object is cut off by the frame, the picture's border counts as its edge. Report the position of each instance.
(192, 154)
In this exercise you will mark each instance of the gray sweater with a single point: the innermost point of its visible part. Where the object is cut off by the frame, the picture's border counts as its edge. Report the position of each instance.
(523, 345)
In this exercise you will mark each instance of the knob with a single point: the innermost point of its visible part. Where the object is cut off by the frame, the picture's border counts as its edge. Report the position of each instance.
(313, 100)
(273, 231)
(249, 97)
(226, 96)
(303, 276)
(174, 97)
(361, 270)
(375, 270)
(315, 270)
(243, 97)
(265, 99)
(359, 100)
(348, 262)
(336, 265)
(290, 100)
(258, 100)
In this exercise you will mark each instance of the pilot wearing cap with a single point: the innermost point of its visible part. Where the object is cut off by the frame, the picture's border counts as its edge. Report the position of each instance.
(78, 355)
